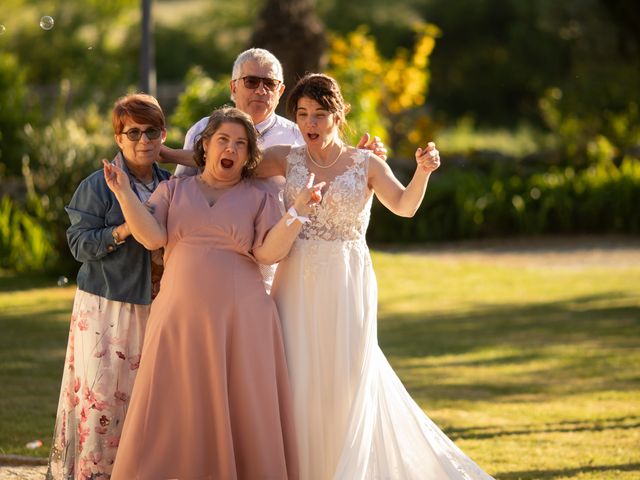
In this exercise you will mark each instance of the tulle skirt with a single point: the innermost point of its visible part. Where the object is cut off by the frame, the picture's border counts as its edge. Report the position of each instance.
(354, 418)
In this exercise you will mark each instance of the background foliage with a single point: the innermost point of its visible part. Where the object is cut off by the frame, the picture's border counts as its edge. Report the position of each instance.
(534, 105)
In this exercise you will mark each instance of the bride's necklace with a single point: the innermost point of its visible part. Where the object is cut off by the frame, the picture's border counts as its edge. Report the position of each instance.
(324, 166)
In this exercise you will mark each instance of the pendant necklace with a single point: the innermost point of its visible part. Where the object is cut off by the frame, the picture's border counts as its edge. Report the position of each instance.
(146, 186)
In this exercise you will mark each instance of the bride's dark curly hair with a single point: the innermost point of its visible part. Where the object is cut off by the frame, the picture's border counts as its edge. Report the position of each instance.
(232, 115)
(324, 90)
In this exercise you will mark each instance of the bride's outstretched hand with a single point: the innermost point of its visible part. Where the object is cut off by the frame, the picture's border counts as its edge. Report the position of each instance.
(429, 158)
(309, 196)
(117, 180)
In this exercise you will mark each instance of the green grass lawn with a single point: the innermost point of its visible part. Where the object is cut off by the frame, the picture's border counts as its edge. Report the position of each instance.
(533, 368)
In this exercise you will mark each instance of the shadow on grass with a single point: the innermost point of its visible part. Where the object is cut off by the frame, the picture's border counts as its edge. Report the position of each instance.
(567, 472)
(596, 330)
(417, 335)
(10, 282)
(482, 433)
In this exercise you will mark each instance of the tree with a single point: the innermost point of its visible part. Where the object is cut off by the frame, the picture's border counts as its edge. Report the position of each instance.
(292, 31)
(147, 50)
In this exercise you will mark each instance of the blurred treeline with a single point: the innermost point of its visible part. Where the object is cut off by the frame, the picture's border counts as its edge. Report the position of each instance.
(534, 105)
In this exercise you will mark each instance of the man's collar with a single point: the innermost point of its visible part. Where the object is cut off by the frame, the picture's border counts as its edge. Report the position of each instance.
(266, 124)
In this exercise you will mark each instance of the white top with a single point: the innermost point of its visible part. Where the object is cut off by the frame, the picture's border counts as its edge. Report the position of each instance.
(274, 130)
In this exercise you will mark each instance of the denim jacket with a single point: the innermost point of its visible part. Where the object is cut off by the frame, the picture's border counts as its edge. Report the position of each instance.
(116, 272)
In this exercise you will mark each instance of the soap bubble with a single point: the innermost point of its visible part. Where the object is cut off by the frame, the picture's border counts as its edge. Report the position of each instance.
(62, 281)
(2, 29)
(535, 193)
(46, 22)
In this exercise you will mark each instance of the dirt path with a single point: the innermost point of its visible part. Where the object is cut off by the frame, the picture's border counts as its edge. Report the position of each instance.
(13, 467)
(552, 252)
(23, 473)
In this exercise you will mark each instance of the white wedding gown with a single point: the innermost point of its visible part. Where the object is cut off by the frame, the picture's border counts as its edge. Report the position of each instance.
(354, 418)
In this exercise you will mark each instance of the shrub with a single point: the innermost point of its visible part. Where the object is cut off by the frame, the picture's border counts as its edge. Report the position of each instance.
(61, 154)
(505, 201)
(25, 242)
(202, 94)
(14, 114)
(384, 93)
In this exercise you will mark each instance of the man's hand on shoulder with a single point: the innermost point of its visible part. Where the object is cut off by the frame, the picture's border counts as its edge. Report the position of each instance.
(179, 157)
(375, 145)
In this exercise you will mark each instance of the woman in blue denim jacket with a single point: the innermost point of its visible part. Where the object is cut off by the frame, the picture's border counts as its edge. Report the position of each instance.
(116, 282)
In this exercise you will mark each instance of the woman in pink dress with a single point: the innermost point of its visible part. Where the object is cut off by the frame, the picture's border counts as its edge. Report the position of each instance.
(212, 398)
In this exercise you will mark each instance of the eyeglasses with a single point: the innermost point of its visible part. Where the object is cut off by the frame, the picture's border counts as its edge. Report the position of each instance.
(135, 134)
(251, 82)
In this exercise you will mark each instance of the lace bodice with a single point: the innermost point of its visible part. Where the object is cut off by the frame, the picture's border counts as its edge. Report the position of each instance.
(346, 207)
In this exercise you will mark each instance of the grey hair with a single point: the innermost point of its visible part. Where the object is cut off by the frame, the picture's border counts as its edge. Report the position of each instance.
(262, 57)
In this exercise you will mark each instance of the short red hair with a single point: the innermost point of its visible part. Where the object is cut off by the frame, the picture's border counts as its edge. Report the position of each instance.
(139, 107)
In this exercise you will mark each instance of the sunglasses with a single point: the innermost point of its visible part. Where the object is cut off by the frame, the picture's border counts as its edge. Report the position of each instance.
(135, 134)
(253, 83)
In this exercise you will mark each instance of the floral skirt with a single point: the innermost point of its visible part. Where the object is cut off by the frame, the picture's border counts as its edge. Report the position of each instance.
(103, 354)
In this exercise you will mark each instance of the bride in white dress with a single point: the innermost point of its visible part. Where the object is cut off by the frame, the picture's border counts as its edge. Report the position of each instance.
(354, 418)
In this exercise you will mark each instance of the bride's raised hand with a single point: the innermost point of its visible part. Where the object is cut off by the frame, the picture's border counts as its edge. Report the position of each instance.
(309, 196)
(117, 180)
(429, 158)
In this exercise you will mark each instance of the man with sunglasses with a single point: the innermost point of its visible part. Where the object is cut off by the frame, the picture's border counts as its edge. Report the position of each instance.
(256, 87)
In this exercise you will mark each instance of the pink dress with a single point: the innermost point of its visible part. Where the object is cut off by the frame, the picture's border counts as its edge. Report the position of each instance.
(212, 398)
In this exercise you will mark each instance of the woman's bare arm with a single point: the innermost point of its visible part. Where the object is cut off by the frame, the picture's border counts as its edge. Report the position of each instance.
(280, 238)
(143, 226)
(177, 156)
(401, 200)
(274, 161)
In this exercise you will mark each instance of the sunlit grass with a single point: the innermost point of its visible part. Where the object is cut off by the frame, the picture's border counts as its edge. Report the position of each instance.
(533, 369)
(34, 318)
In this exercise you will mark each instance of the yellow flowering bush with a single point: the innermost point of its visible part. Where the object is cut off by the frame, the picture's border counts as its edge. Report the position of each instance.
(382, 90)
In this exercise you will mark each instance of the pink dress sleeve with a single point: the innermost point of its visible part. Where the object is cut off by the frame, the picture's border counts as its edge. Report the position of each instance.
(268, 215)
(158, 203)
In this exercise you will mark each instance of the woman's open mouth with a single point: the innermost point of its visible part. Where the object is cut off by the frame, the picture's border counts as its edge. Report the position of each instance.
(313, 136)
(226, 163)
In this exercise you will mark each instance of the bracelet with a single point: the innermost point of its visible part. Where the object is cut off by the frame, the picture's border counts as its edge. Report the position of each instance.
(116, 237)
(294, 216)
